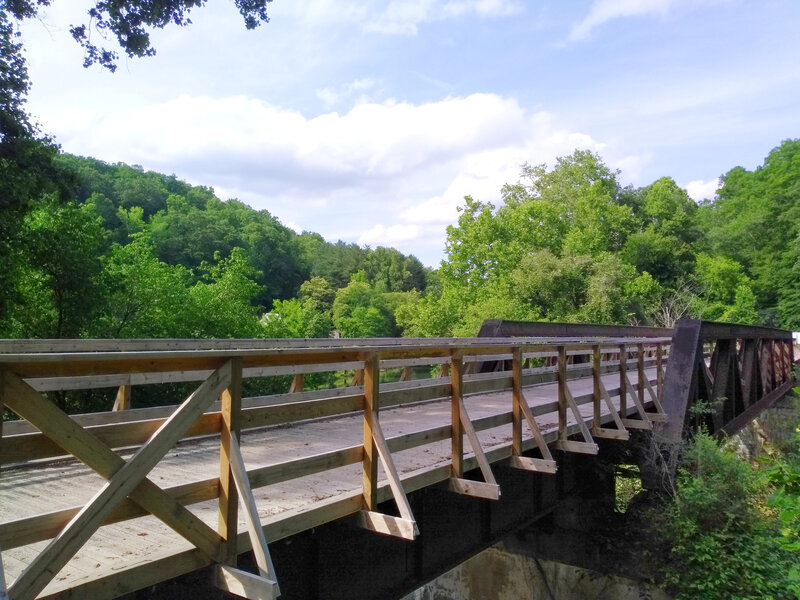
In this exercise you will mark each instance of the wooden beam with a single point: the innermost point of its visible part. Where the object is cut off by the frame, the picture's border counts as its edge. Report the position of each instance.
(517, 400)
(228, 503)
(477, 489)
(644, 416)
(611, 434)
(623, 378)
(521, 409)
(371, 405)
(3, 589)
(488, 489)
(654, 397)
(597, 382)
(587, 446)
(31, 405)
(536, 465)
(387, 524)
(252, 521)
(392, 475)
(640, 372)
(123, 400)
(611, 409)
(600, 393)
(297, 383)
(457, 433)
(243, 584)
(2, 408)
(475, 443)
(562, 398)
(577, 447)
(51, 560)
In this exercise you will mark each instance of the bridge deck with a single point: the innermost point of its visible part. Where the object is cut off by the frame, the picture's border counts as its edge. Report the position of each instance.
(147, 550)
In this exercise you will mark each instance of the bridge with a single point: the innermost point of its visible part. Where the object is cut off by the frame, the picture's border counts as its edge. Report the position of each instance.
(428, 451)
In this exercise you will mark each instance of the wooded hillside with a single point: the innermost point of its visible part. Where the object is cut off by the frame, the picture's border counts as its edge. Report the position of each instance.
(102, 250)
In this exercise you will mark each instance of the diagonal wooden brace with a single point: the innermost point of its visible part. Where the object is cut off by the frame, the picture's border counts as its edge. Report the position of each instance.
(31, 405)
(643, 422)
(659, 415)
(405, 526)
(254, 530)
(587, 446)
(617, 433)
(122, 483)
(488, 490)
(521, 410)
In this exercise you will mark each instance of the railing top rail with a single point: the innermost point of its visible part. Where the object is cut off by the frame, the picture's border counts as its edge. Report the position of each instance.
(503, 328)
(95, 362)
(10, 347)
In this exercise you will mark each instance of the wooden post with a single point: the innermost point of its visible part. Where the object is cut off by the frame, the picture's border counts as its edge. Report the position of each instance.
(2, 410)
(371, 404)
(3, 589)
(596, 422)
(457, 436)
(659, 370)
(562, 393)
(517, 400)
(231, 401)
(640, 371)
(623, 368)
(358, 378)
(123, 400)
(298, 381)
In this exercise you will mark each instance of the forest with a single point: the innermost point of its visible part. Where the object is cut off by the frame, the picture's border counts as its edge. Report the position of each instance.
(92, 249)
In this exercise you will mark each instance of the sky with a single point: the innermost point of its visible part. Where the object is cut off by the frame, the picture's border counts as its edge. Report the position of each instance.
(369, 121)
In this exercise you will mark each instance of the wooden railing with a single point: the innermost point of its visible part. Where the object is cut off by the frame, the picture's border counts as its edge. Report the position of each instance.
(216, 408)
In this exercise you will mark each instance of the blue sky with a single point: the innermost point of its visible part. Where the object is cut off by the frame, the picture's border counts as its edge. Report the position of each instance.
(369, 121)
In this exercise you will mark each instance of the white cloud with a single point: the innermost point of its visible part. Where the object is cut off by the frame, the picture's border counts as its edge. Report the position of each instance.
(358, 87)
(389, 236)
(702, 190)
(606, 10)
(402, 17)
(383, 173)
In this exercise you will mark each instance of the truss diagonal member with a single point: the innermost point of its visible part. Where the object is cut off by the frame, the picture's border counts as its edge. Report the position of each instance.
(644, 421)
(587, 446)
(488, 488)
(121, 484)
(254, 530)
(618, 432)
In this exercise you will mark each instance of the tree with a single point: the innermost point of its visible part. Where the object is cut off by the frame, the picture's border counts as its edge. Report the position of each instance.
(58, 275)
(296, 319)
(319, 291)
(359, 311)
(223, 301)
(755, 220)
(129, 21)
(146, 298)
